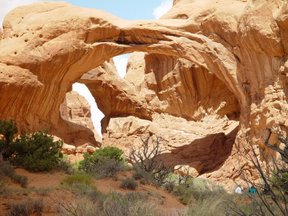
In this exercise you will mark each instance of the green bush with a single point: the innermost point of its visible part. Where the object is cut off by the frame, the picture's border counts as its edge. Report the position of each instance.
(104, 162)
(129, 183)
(37, 152)
(34, 152)
(109, 152)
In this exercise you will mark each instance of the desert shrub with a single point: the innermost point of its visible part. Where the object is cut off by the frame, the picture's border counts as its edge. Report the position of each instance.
(7, 170)
(109, 152)
(2, 187)
(113, 204)
(197, 190)
(129, 183)
(8, 130)
(146, 160)
(82, 184)
(34, 152)
(169, 186)
(22, 180)
(37, 152)
(105, 153)
(78, 178)
(131, 204)
(138, 175)
(104, 162)
(27, 208)
(210, 206)
(66, 166)
(81, 207)
(246, 205)
(143, 176)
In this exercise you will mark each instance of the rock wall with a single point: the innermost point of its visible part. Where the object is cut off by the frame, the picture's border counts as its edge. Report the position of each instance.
(205, 61)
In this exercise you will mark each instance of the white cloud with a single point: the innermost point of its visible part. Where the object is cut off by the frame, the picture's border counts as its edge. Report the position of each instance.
(163, 8)
(121, 62)
(8, 5)
(96, 114)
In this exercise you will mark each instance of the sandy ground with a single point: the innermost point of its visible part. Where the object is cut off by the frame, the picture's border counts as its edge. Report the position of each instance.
(47, 187)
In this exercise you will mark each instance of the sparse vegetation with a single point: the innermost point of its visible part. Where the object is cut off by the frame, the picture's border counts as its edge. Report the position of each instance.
(114, 204)
(38, 152)
(26, 208)
(131, 204)
(210, 206)
(105, 162)
(83, 185)
(81, 207)
(197, 190)
(7, 170)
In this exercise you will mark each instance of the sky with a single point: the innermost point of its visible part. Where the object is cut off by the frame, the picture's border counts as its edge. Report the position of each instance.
(126, 9)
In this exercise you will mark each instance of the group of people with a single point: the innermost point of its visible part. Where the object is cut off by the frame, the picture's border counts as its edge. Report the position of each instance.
(251, 190)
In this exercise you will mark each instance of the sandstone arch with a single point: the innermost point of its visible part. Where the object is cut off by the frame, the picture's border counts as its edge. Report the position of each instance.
(48, 55)
(46, 47)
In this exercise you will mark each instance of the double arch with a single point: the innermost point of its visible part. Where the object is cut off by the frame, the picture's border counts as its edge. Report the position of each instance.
(60, 49)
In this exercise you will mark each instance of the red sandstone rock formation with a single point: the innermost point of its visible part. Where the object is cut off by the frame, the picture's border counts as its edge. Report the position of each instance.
(206, 63)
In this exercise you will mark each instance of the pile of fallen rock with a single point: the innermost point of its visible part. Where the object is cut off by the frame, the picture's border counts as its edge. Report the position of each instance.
(71, 149)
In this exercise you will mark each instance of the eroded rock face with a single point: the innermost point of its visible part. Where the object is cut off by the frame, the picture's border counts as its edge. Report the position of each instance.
(182, 142)
(180, 88)
(205, 61)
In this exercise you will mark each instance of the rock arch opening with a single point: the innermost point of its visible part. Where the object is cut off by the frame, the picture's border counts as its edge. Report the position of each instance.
(94, 113)
(79, 111)
(204, 112)
(121, 62)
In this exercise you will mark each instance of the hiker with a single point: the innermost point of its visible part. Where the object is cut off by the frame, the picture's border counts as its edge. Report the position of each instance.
(252, 190)
(238, 190)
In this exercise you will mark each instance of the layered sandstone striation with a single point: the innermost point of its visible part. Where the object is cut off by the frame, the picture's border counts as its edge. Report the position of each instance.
(210, 76)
